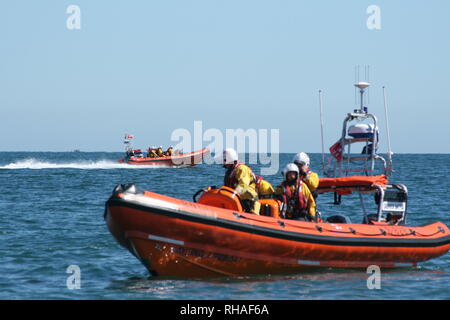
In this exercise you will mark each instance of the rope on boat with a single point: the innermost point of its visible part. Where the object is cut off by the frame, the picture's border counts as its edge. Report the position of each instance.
(381, 231)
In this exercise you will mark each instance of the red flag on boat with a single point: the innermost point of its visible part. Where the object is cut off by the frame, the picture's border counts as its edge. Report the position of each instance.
(336, 150)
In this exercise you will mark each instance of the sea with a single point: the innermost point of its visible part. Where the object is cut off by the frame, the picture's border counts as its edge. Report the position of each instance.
(52, 227)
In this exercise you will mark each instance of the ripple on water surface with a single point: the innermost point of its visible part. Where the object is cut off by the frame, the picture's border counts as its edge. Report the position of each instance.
(52, 217)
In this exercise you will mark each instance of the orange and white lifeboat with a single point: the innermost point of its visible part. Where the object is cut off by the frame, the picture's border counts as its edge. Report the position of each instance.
(214, 237)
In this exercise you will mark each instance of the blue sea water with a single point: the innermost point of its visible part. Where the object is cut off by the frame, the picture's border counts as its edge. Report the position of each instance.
(52, 206)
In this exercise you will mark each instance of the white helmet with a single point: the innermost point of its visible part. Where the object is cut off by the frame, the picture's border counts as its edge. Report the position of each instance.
(290, 167)
(301, 158)
(230, 156)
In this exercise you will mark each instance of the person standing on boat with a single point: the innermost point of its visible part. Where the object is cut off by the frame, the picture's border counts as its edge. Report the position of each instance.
(308, 176)
(241, 178)
(298, 201)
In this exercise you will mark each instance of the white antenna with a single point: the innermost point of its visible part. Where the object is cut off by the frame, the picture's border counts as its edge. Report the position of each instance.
(358, 72)
(368, 80)
(390, 153)
(321, 129)
(362, 86)
(356, 81)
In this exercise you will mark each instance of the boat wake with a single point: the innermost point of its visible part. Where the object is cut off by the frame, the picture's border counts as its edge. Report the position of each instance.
(84, 165)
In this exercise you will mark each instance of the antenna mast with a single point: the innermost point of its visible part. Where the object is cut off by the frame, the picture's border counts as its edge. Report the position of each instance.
(127, 141)
(390, 153)
(362, 86)
(321, 129)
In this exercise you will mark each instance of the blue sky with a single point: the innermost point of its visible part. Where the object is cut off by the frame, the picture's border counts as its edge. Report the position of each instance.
(150, 67)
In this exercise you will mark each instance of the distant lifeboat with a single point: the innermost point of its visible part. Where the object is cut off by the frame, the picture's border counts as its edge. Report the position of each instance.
(213, 237)
(184, 159)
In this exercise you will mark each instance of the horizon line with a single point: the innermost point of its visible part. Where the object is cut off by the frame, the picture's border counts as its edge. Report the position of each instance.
(72, 151)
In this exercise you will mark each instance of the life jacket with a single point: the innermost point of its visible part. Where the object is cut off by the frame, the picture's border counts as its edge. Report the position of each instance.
(257, 179)
(295, 204)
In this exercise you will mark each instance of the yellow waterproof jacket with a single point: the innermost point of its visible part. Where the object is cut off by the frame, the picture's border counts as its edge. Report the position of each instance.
(310, 202)
(241, 178)
(311, 180)
(264, 188)
(159, 152)
(152, 153)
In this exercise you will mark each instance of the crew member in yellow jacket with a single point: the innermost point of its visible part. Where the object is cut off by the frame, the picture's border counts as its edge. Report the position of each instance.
(152, 152)
(169, 151)
(263, 187)
(298, 202)
(160, 151)
(241, 178)
(308, 176)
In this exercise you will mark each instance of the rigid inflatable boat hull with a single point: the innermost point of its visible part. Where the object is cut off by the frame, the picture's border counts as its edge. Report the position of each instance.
(173, 237)
(187, 159)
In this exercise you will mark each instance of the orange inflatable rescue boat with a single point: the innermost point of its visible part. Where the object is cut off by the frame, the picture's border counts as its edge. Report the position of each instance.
(212, 236)
(182, 159)
(177, 159)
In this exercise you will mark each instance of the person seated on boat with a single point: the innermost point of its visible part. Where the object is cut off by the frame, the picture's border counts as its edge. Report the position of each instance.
(263, 188)
(160, 152)
(152, 152)
(241, 178)
(308, 176)
(169, 152)
(298, 202)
